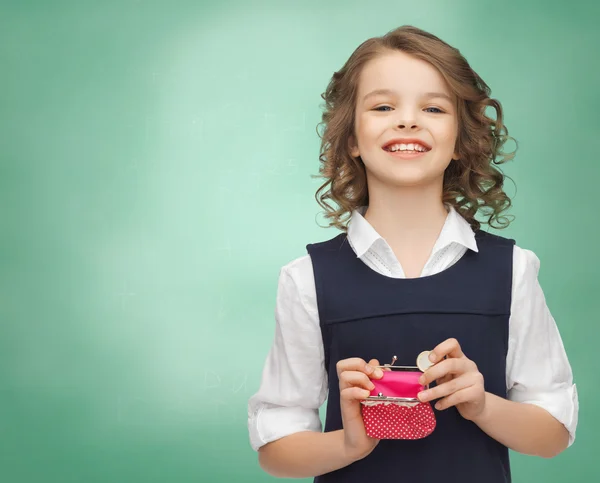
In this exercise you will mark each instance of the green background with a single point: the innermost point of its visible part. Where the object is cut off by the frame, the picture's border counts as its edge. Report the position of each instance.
(155, 176)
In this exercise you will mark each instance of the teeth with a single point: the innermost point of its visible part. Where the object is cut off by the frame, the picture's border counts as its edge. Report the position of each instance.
(406, 147)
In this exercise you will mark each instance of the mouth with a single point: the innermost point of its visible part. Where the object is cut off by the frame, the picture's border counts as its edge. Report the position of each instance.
(406, 152)
(406, 148)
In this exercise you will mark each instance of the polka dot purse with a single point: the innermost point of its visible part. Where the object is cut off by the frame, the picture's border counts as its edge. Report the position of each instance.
(392, 410)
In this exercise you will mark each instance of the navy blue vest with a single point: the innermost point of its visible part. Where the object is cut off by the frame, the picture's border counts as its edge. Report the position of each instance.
(365, 314)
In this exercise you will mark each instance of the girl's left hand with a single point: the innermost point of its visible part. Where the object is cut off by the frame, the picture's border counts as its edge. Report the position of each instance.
(459, 381)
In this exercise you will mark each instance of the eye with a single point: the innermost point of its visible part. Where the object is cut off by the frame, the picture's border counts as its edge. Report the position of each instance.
(439, 111)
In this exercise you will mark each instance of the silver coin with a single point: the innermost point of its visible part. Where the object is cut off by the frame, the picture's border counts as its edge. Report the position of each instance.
(423, 362)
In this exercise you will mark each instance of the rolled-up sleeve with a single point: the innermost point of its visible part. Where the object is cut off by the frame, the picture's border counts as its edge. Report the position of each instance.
(538, 370)
(294, 383)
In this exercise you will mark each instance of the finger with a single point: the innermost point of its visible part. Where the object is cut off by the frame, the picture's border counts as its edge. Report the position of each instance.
(467, 394)
(450, 348)
(351, 364)
(372, 370)
(377, 373)
(351, 394)
(355, 378)
(358, 364)
(443, 379)
(445, 368)
(450, 387)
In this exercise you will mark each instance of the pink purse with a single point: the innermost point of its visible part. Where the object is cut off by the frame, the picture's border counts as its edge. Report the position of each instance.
(392, 410)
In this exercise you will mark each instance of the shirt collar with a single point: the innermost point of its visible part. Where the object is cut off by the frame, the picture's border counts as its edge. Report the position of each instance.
(456, 229)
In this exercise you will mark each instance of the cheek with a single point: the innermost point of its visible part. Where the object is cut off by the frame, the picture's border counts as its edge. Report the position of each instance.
(370, 127)
(372, 134)
(446, 139)
(448, 132)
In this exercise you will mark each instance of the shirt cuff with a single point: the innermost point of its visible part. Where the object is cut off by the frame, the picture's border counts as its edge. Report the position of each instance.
(273, 423)
(562, 403)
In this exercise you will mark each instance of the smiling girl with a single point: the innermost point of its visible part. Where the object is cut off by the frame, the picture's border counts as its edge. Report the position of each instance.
(409, 154)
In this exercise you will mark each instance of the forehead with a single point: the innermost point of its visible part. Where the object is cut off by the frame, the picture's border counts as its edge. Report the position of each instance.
(402, 73)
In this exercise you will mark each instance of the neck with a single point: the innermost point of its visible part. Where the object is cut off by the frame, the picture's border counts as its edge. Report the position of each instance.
(407, 215)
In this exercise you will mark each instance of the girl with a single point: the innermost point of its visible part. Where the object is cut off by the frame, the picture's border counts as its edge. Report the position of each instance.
(409, 152)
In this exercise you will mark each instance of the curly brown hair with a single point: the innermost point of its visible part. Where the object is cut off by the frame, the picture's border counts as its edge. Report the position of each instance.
(472, 183)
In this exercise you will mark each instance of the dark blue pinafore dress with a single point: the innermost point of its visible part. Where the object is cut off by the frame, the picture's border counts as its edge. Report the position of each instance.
(368, 315)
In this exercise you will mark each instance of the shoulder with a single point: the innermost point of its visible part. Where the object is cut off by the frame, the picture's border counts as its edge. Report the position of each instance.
(525, 261)
(486, 238)
(298, 268)
(327, 245)
(301, 268)
(526, 264)
(298, 274)
(297, 277)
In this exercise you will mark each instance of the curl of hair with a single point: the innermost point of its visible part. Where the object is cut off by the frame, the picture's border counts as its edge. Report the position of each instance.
(472, 184)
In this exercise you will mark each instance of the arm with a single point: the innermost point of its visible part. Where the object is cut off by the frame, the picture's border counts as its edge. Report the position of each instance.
(304, 454)
(309, 453)
(283, 416)
(540, 415)
(538, 373)
(522, 427)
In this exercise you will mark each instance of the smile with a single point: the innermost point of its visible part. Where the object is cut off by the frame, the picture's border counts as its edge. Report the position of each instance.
(406, 154)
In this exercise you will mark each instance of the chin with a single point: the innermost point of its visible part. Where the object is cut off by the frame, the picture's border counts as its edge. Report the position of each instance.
(411, 178)
(410, 183)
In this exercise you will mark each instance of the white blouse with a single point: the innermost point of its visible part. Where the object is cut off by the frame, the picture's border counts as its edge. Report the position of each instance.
(294, 379)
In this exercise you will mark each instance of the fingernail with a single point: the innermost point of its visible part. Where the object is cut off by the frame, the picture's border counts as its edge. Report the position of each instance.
(423, 396)
(422, 380)
(368, 369)
(378, 373)
(371, 386)
(432, 357)
(438, 406)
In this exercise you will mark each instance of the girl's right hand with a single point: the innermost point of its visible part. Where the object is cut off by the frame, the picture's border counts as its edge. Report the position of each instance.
(355, 377)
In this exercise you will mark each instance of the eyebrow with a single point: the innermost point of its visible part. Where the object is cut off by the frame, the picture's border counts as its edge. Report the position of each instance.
(389, 92)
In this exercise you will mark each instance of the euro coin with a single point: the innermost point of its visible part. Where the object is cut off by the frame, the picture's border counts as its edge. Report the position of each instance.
(423, 362)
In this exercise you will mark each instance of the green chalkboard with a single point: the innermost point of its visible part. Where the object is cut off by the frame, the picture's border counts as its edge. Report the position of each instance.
(156, 162)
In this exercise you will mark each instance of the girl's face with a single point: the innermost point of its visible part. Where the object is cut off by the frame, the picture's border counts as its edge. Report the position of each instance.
(415, 103)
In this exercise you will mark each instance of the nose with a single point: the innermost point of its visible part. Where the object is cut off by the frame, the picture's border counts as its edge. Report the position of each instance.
(404, 123)
(406, 117)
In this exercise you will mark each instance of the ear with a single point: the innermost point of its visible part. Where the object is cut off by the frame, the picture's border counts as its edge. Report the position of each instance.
(455, 155)
(353, 147)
